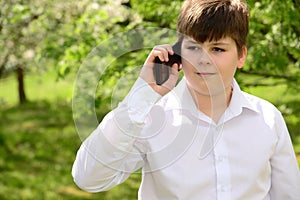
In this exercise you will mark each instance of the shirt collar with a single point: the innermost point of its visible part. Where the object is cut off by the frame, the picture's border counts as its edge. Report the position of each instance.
(239, 100)
(182, 99)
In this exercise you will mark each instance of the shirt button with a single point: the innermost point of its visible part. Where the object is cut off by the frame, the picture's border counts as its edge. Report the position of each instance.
(220, 159)
(224, 188)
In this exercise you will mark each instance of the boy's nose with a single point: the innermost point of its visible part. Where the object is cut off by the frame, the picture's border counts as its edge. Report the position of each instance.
(204, 58)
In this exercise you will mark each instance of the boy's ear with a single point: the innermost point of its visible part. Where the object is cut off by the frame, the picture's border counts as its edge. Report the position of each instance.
(242, 58)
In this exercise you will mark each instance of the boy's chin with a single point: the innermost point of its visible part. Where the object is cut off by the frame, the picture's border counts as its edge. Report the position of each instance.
(206, 88)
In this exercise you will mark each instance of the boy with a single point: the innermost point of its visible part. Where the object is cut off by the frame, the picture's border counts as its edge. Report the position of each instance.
(204, 138)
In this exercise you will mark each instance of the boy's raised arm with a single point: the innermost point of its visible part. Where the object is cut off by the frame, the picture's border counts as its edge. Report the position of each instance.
(108, 156)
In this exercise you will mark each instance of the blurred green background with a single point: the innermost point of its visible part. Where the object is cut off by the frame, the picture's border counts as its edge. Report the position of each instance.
(43, 45)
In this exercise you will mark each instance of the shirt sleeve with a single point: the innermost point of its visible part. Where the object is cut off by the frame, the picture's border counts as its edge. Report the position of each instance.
(113, 151)
(285, 172)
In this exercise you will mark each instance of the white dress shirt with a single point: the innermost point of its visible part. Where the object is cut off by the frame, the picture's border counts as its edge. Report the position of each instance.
(183, 154)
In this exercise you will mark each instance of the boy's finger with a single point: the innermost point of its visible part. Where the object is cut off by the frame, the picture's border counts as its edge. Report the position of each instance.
(159, 54)
(175, 68)
(170, 49)
(165, 50)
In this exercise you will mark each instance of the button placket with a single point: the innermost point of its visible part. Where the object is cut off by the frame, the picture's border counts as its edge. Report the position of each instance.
(222, 168)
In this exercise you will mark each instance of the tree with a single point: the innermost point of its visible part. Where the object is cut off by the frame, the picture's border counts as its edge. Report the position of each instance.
(15, 27)
(25, 26)
(41, 34)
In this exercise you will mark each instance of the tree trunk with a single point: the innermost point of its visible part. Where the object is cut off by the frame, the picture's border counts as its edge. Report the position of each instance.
(2, 64)
(21, 87)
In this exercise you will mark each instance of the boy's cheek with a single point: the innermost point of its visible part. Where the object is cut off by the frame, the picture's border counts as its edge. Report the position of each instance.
(188, 60)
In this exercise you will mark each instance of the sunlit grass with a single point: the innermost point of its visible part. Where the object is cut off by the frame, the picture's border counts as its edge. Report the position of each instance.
(38, 86)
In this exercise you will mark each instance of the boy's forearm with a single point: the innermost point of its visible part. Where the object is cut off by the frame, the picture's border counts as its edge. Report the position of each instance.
(100, 165)
(102, 160)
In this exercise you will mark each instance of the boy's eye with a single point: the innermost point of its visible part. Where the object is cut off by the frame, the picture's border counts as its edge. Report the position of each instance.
(193, 48)
(217, 49)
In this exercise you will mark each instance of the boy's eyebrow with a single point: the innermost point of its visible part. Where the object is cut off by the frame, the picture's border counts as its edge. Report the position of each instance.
(220, 43)
(212, 43)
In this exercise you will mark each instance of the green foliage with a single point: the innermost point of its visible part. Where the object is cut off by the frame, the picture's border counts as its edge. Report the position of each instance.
(273, 43)
(158, 13)
(61, 34)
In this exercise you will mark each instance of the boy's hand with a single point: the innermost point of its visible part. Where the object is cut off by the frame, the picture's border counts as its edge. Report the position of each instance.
(147, 73)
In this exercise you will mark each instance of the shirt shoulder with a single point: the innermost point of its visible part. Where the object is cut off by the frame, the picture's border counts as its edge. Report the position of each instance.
(259, 104)
(268, 111)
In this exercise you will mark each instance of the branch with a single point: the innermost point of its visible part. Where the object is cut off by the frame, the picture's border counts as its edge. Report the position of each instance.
(31, 18)
(270, 75)
(264, 84)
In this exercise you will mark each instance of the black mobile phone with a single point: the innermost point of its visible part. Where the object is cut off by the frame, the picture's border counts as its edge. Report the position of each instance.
(162, 69)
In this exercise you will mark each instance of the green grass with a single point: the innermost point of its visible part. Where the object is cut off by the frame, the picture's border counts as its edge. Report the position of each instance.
(38, 140)
(38, 144)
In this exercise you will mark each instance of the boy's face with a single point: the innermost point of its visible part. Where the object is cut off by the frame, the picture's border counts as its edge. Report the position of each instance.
(209, 67)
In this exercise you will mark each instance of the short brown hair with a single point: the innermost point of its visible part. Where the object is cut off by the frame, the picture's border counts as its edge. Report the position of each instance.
(214, 19)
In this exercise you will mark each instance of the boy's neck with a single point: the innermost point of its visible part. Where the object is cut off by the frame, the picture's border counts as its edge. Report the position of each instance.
(213, 106)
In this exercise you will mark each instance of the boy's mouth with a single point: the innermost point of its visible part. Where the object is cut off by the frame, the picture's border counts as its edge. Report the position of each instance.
(205, 74)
